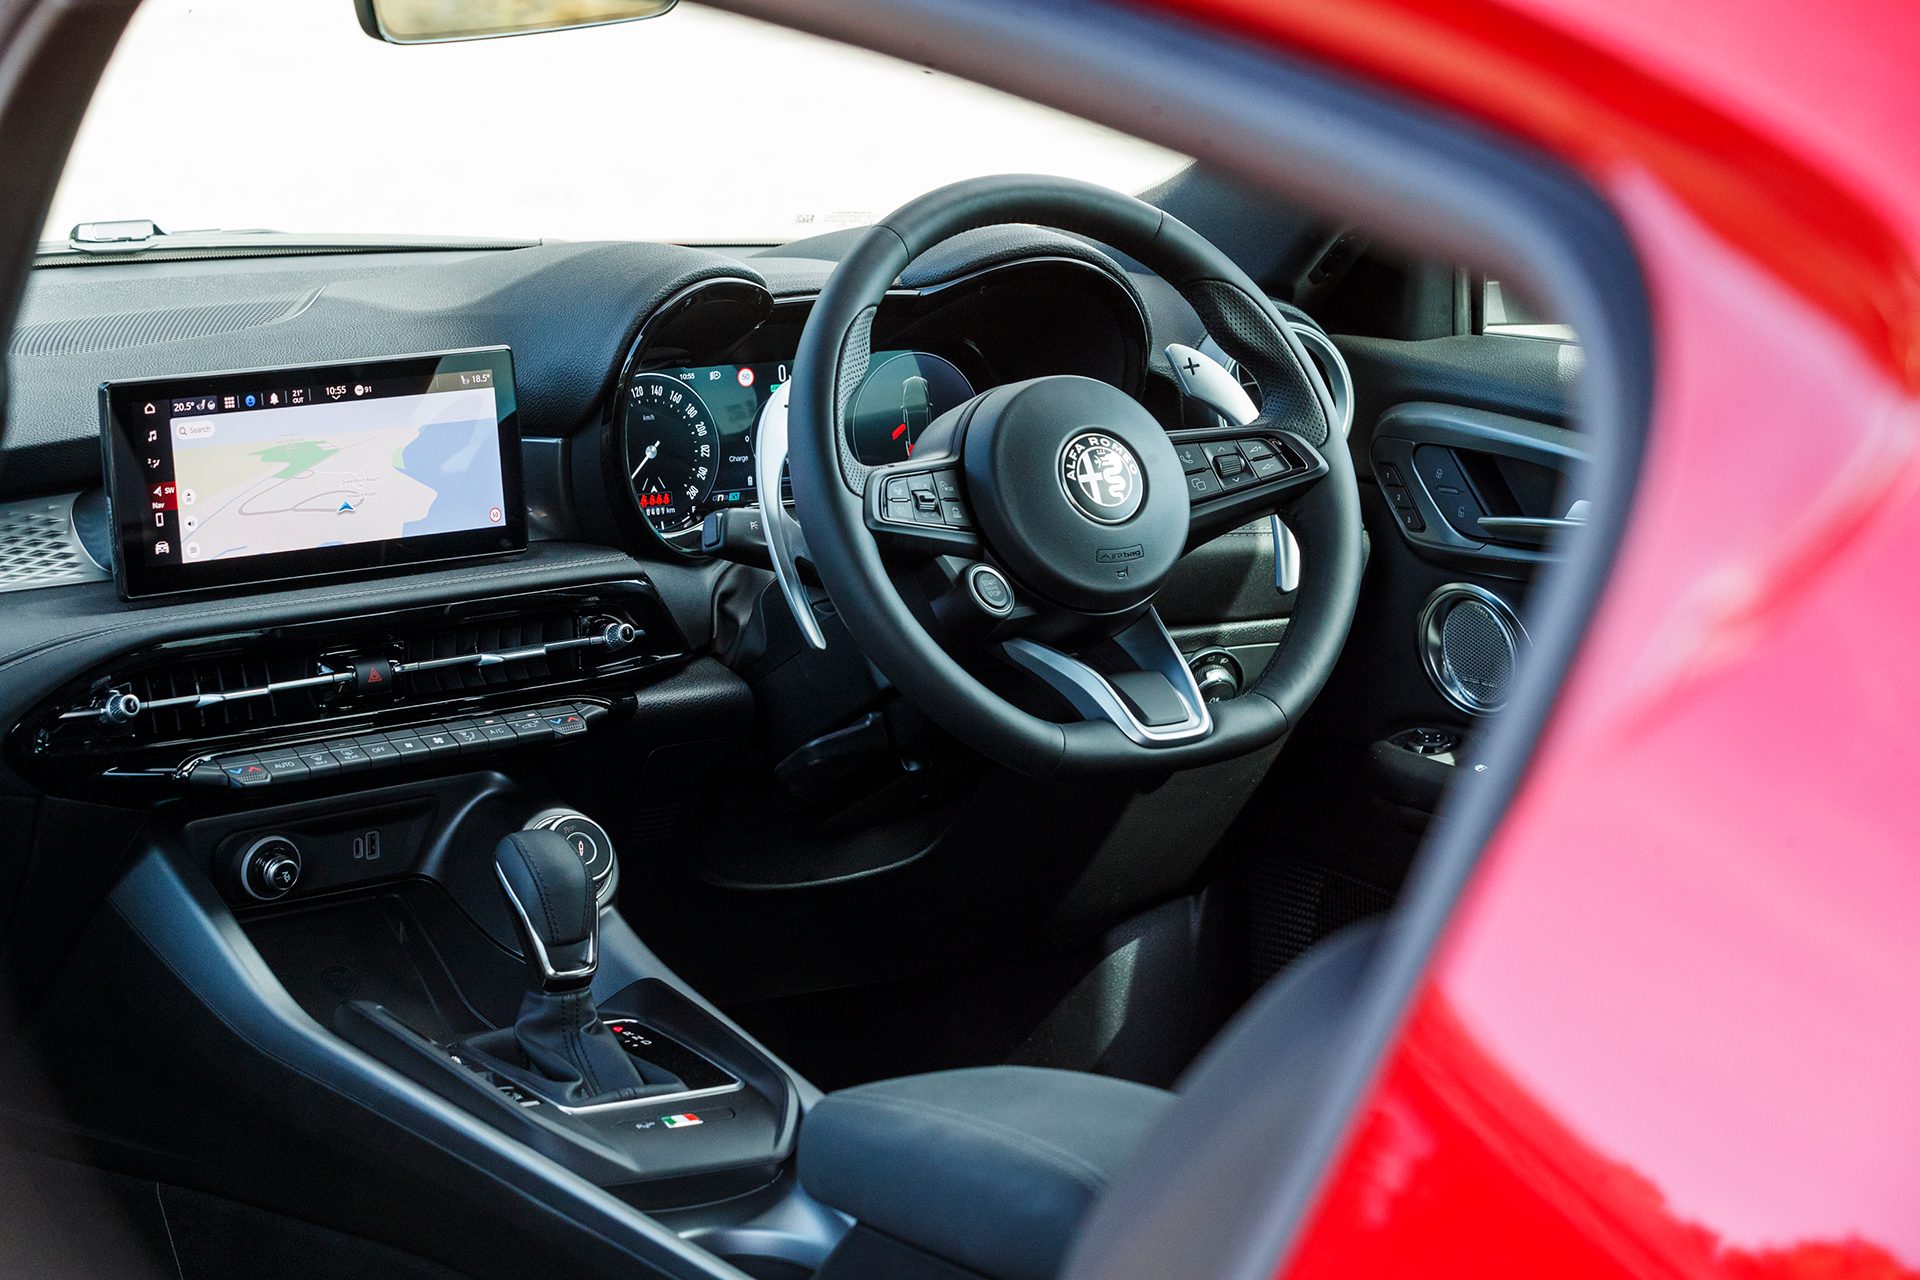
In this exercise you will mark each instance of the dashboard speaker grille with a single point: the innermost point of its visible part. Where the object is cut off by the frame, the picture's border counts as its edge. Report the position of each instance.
(1470, 644)
(39, 548)
(84, 334)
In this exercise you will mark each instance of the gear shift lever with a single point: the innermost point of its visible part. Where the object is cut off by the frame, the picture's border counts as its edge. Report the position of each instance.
(562, 1049)
(551, 897)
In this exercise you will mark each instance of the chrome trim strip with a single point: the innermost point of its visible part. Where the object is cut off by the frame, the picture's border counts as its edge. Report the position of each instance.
(769, 460)
(539, 950)
(656, 1100)
(1090, 693)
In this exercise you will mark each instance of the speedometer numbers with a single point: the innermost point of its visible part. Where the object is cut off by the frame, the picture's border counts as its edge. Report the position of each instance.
(673, 451)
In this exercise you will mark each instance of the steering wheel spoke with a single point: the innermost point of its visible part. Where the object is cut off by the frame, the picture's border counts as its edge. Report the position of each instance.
(1137, 681)
(920, 505)
(1237, 474)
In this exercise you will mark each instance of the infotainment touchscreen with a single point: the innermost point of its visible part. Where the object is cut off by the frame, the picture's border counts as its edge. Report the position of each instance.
(266, 475)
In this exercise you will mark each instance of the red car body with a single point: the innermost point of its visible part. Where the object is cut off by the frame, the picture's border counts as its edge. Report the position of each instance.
(1674, 1028)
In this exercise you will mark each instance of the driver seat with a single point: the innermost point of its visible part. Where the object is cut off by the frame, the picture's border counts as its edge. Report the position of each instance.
(993, 1173)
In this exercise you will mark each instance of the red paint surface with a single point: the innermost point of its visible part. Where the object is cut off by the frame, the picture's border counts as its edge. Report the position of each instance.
(1675, 1027)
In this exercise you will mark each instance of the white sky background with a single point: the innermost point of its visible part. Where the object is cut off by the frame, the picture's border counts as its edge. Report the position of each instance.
(694, 126)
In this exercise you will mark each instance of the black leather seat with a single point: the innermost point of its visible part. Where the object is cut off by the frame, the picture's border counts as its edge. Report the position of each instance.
(993, 1172)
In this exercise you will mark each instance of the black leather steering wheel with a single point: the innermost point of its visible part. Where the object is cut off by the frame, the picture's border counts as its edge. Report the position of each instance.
(1077, 503)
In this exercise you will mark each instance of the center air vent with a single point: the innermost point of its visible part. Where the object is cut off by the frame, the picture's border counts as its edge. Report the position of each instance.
(156, 708)
(190, 699)
(431, 657)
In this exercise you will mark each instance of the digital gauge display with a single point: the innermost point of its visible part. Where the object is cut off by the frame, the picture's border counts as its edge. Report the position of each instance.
(687, 433)
(675, 449)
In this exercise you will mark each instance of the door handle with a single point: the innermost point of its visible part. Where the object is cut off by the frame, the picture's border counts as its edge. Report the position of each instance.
(1534, 531)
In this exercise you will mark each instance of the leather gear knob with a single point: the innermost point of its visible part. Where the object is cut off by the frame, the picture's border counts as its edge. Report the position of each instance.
(550, 896)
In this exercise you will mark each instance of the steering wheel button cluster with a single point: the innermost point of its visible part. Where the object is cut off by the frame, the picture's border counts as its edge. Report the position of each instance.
(1221, 466)
(925, 498)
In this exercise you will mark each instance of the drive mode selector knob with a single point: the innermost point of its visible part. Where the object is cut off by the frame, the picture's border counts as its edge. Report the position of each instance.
(269, 867)
(589, 840)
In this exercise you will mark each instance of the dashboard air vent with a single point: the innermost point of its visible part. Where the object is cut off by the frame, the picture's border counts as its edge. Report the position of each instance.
(155, 710)
(215, 696)
(422, 648)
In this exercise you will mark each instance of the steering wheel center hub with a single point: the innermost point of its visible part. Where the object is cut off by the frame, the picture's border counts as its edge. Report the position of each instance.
(1102, 477)
(1078, 490)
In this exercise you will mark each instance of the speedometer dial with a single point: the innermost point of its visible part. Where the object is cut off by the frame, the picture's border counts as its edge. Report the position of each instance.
(672, 450)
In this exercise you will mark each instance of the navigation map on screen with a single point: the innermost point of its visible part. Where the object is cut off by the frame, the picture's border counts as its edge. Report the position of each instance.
(317, 475)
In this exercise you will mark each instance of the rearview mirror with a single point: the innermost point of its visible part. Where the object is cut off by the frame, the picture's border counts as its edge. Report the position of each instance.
(438, 21)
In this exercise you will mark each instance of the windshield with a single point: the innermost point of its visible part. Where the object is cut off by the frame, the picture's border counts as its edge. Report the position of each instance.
(696, 126)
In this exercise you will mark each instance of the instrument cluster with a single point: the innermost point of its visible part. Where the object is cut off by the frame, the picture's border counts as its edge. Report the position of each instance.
(688, 433)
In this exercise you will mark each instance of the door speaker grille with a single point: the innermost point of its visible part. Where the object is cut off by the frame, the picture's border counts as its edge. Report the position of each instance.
(1470, 644)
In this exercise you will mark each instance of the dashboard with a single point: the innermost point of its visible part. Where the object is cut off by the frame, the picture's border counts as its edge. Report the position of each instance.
(496, 539)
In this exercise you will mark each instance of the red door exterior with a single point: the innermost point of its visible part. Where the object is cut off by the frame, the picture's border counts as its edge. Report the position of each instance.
(1675, 1027)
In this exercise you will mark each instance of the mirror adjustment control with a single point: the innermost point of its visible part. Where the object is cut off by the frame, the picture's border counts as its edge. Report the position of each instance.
(268, 868)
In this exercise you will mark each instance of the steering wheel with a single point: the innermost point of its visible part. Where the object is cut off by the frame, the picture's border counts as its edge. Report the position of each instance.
(1047, 513)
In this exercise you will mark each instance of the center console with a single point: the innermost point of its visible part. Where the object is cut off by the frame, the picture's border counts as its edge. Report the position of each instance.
(360, 909)
(411, 928)
(508, 1019)
(318, 902)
